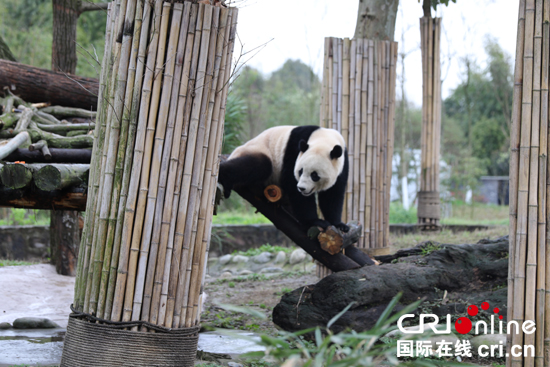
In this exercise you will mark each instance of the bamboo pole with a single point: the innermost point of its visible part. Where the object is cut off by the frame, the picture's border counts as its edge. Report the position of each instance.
(136, 274)
(514, 164)
(158, 175)
(340, 82)
(186, 88)
(334, 72)
(369, 217)
(353, 200)
(323, 111)
(172, 160)
(345, 112)
(179, 241)
(523, 182)
(93, 180)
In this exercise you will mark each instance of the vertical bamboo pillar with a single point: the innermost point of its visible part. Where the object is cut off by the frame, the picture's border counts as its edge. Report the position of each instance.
(164, 85)
(428, 196)
(358, 99)
(529, 274)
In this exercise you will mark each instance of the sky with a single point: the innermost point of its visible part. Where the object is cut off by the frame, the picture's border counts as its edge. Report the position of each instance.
(270, 32)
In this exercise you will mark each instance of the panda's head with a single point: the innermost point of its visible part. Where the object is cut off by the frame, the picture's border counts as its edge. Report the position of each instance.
(320, 162)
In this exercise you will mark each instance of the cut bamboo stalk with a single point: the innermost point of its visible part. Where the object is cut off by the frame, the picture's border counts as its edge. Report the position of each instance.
(93, 183)
(369, 216)
(323, 117)
(194, 162)
(514, 163)
(345, 108)
(340, 70)
(523, 182)
(134, 179)
(330, 67)
(171, 156)
(191, 139)
(113, 144)
(129, 117)
(334, 106)
(158, 174)
(362, 66)
(137, 274)
(353, 201)
(131, 40)
(184, 106)
(128, 254)
(184, 109)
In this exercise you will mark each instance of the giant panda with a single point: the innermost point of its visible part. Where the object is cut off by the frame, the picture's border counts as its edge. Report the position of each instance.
(303, 161)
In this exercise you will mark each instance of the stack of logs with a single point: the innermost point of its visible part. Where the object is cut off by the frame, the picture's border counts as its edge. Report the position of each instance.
(161, 109)
(428, 196)
(52, 146)
(358, 99)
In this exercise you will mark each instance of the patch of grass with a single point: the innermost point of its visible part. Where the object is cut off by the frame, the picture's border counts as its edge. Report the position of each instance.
(477, 214)
(21, 217)
(263, 248)
(15, 263)
(231, 284)
(235, 217)
(398, 214)
(430, 247)
(398, 242)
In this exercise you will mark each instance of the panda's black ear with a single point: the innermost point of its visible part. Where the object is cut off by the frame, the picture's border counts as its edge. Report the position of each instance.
(336, 152)
(303, 146)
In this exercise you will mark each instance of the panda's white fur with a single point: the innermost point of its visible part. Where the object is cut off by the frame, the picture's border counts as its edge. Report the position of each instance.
(302, 160)
(317, 159)
(271, 142)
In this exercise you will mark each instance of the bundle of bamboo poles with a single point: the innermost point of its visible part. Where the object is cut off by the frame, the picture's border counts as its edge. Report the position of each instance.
(529, 273)
(162, 96)
(428, 197)
(358, 99)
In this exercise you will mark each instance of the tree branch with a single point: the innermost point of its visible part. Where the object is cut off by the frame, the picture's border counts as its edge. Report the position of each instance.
(86, 6)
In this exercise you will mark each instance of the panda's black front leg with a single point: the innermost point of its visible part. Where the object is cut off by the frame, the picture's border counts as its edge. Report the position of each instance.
(245, 170)
(305, 209)
(331, 201)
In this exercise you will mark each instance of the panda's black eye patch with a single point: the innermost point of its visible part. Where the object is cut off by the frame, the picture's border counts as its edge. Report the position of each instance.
(315, 177)
(300, 171)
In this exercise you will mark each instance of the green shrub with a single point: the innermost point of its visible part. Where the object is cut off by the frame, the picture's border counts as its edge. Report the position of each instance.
(398, 214)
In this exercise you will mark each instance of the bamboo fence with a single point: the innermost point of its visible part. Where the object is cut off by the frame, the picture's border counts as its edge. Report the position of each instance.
(358, 99)
(163, 89)
(529, 274)
(428, 196)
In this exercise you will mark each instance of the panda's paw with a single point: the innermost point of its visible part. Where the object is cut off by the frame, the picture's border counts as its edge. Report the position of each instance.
(343, 227)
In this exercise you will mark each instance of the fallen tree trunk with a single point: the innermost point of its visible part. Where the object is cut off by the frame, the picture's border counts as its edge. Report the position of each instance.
(41, 85)
(449, 277)
(29, 198)
(53, 140)
(58, 155)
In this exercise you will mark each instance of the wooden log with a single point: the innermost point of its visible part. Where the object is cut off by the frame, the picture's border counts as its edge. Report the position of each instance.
(273, 193)
(73, 198)
(59, 176)
(57, 155)
(66, 128)
(41, 85)
(332, 240)
(294, 230)
(53, 140)
(15, 176)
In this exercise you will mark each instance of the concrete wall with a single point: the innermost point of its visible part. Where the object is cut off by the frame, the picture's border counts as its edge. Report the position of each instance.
(30, 243)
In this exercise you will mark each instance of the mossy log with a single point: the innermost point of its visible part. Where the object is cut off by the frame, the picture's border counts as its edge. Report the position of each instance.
(57, 155)
(66, 128)
(59, 176)
(15, 176)
(9, 119)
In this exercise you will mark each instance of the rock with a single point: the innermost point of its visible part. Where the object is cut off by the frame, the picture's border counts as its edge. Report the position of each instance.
(226, 274)
(271, 269)
(34, 323)
(280, 258)
(467, 272)
(488, 340)
(262, 258)
(5, 325)
(234, 364)
(239, 259)
(225, 259)
(245, 272)
(297, 256)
